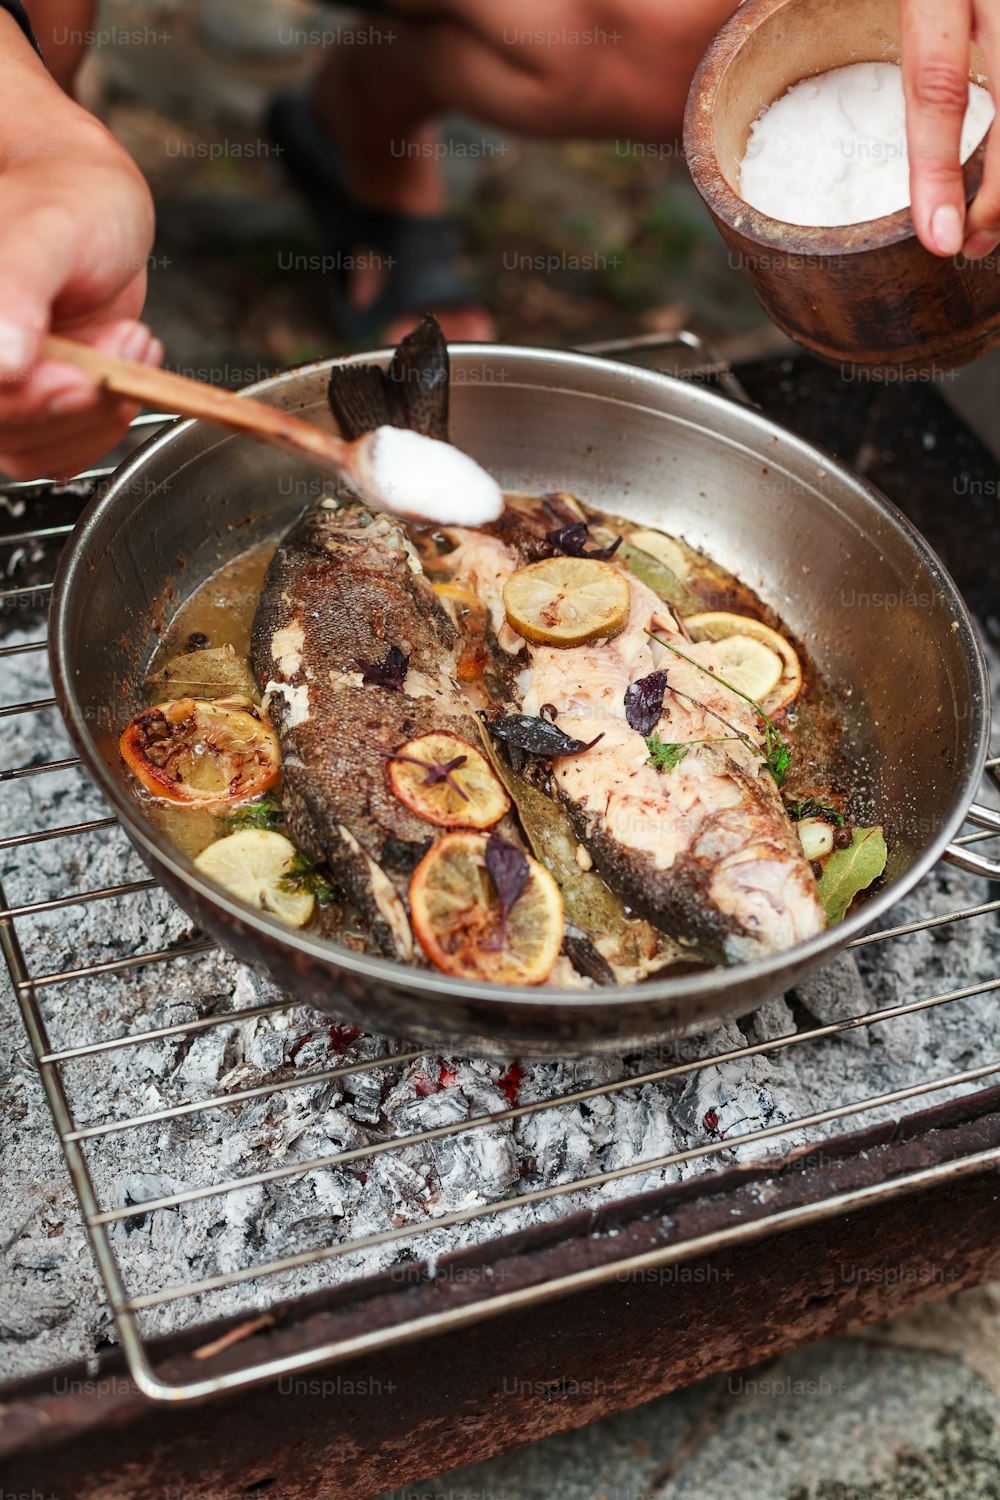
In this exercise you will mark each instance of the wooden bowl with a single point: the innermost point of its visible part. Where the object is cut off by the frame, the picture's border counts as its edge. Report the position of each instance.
(862, 294)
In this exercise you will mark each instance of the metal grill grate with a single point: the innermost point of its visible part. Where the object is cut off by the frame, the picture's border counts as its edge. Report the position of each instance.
(127, 1303)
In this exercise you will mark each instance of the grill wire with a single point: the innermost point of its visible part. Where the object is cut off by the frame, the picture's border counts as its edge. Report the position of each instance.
(126, 1304)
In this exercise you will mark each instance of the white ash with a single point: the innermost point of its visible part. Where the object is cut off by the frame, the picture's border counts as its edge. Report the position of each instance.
(52, 1307)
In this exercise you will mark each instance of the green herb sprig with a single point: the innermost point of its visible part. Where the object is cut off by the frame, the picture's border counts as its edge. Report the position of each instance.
(811, 808)
(304, 876)
(665, 755)
(266, 813)
(776, 755)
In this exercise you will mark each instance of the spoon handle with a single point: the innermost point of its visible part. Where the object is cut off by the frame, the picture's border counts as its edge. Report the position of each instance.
(166, 391)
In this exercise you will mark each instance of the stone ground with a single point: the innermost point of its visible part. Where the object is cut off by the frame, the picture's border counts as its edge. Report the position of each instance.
(905, 1411)
(849, 1419)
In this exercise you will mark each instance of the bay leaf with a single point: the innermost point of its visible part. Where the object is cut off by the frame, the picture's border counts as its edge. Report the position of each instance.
(212, 672)
(630, 945)
(851, 870)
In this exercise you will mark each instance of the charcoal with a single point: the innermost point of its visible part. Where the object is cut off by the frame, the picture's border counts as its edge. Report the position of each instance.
(52, 1309)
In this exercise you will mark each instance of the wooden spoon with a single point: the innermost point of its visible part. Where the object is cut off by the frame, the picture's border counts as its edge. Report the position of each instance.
(388, 467)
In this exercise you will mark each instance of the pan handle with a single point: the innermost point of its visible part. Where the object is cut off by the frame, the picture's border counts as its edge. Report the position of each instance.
(712, 362)
(965, 857)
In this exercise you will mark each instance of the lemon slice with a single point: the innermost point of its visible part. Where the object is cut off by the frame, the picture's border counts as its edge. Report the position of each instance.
(443, 778)
(251, 865)
(751, 656)
(663, 548)
(193, 751)
(456, 916)
(564, 601)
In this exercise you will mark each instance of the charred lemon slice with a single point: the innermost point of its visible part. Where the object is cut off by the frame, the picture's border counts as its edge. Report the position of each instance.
(192, 751)
(443, 778)
(751, 656)
(564, 601)
(458, 916)
(254, 865)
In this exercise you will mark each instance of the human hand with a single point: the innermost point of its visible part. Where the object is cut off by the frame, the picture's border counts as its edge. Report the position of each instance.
(936, 40)
(76, 226)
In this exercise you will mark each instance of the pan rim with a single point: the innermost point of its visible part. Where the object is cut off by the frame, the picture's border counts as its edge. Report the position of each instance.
(686, 990)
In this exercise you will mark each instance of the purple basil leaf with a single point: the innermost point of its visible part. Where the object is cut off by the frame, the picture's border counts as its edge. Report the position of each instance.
(508, 870)
(644, 702)
(575, 542)
(436, 770)
(537, 736)
(442, 772)
(390, 672)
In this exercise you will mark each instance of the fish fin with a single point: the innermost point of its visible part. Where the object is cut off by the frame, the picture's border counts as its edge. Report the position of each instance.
(412, 393)
(377, 898)
(358, 400)
(421, 373)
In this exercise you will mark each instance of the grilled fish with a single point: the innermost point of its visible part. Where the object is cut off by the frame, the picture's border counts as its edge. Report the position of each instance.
(705, 851)
(345, 586)
(344, 589)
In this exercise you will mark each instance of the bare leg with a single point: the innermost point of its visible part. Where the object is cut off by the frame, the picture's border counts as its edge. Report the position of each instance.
(63, 28)
(392, 166)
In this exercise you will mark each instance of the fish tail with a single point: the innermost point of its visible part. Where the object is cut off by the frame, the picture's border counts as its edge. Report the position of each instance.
(358, 399)
(412, 393)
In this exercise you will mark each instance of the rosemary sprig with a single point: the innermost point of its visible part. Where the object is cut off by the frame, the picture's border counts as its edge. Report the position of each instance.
(776, 755)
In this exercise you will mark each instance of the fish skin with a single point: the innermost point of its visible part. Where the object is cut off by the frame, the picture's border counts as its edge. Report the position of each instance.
(345, 584)
(707, 851)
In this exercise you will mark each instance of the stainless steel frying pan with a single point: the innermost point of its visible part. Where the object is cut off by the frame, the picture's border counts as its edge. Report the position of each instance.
(845, 570)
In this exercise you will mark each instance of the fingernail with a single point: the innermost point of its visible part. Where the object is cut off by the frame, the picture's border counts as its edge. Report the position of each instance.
(154, 354)
(136, 342)
(946, 229)
(17, 347)
(979, 245)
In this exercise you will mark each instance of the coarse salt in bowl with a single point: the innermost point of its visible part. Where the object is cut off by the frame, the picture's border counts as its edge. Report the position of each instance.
(859, 294)
(833, 150)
